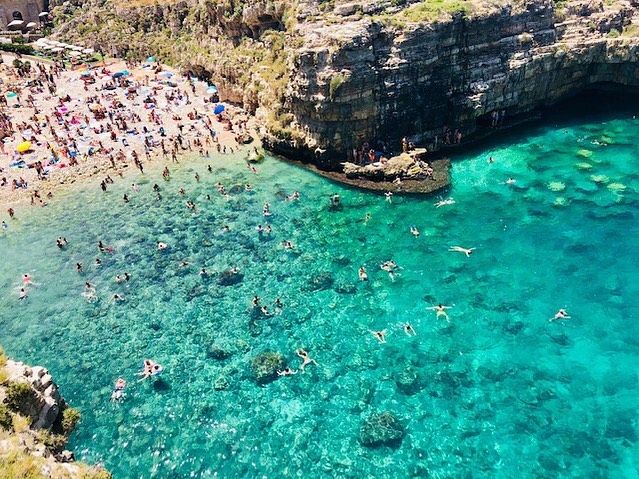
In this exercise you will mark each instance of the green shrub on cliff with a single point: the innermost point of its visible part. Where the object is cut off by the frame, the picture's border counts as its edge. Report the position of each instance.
(53, 442)
(97, 474)
(6, 420)
(18, 395)
(336, 82)
(15, 464)
(70, 417)
(3, 358)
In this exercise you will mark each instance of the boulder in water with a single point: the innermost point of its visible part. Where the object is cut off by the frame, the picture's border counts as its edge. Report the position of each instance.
(229, 277)
(218, 352)
(321, 281)
(265, 366)
(381, 430)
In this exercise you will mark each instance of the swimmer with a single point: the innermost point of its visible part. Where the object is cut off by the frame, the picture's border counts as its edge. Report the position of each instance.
(4, 225)
(415, 231)
(26, 279)
(287, 245)
(23, 294)
(118, 390)
(561, 314)
(306, 360)
(268, 229)
(362, 274)
(265, 312)
(151, 368)
(265, 210)
(441, 203)
(226, 229)
(118, 279)
(278, 306)
(162, 246)
(127, 276)
(204, 273)
(248, 187)
(380, 335)
(98, 262)
(286, 372)
(90, 296)
(135, 188)
(491, 160)
(389, 196)
(510, 181)
(367, 217)
(256, 301)
(183, 264)
(125, 198)
(409, 330)
(61, 242)
(459, 249)
(116, 297)
(335, 200)
(181, 191)
(78, 267)
(441, 311)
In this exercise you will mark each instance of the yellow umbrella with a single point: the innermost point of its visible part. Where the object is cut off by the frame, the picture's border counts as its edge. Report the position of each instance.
(22, 147)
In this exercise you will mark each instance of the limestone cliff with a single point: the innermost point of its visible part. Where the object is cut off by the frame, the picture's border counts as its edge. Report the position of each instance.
(35, 423)
(324, 77)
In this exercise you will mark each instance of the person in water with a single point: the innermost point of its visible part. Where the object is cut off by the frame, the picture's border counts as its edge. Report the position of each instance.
(23, 294)
(380, 335)
(459, 249)
(306, 360)
(26, 279)
(561, 314)
(414, 231)
(286, 372)
(150, 369)
(409, 330)
(363, 275)
(118, 390)
(162, 246)
(441, 311)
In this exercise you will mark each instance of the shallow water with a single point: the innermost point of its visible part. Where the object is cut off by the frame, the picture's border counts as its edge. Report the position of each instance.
(500, 391)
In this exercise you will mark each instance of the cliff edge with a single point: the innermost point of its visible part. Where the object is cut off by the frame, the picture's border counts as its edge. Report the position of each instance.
(35, 424)
(329, 79)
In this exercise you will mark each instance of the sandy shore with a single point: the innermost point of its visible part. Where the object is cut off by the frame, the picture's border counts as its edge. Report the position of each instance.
(78, 129)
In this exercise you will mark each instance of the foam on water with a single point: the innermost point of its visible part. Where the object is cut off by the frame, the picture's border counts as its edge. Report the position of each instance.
(499, 391)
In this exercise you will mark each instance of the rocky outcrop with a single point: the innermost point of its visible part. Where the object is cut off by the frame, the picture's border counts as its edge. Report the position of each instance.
(43, 405)
(35, 425)
(325, 79)
(381, 430)
(265, 366)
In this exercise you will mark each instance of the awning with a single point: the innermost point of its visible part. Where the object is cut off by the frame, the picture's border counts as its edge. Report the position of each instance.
(16, 23)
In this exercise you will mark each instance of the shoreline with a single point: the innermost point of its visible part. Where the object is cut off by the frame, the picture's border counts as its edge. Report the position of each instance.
(91, 167)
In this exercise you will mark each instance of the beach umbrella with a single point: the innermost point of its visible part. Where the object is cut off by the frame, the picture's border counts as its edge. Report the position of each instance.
(150, 59)
(85, 73)
(77, 48)
(43, 14)
(31, 25)
(219, 109)
(22, 147)
(167, 74)
(75, 54)
(49, 47)
(88, 51)
(95, 107)
(16, 23)
(211, 89)
(12, 95)
(57, 49)
(118, 75)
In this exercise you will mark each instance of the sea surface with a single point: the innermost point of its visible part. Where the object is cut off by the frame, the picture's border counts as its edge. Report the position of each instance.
(498, 391)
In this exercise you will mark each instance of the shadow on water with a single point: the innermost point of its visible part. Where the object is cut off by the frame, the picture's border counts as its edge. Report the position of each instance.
(595, 105)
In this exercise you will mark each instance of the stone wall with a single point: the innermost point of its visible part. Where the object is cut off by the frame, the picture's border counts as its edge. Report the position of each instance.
(29, 9)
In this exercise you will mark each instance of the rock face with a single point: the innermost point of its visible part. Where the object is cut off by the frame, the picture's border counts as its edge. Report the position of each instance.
(381, 430)
(335, 76)
(30, 392)
(44, 404)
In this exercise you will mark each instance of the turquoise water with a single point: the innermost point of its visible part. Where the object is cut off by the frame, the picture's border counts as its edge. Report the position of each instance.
(500, 391)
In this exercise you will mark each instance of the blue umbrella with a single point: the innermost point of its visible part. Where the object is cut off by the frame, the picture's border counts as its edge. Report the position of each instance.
(118, 75)
(211, 89)
(150, 59)
(218, 109)
(13, 95)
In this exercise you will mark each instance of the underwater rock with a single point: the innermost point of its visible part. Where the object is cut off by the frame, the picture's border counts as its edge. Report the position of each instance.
(321, 281)
(381, 430)
(265, 366)
(229, 278)
(218, 352)
(408, 381)
(221, 383)
(346, 288)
